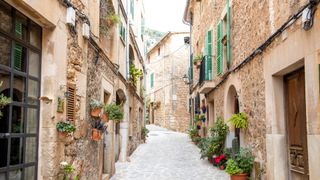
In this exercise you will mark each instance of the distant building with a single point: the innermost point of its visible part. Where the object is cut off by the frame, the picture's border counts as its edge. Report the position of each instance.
(168, 94)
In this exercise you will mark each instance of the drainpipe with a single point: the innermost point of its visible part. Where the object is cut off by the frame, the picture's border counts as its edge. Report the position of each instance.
(127, 42)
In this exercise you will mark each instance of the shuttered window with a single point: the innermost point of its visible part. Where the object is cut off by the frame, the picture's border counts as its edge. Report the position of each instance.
(208, 59)
(219, 48)
(228, 34)
(152, 80)
(18, 29)
(122, 32)
(191, 67)
(71, 102)
(18, 53)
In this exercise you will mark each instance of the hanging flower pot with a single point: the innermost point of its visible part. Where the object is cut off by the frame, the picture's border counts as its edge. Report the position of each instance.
(96, 134)
(62, 135)
(95, 112)
(105, 117)
(96, 107)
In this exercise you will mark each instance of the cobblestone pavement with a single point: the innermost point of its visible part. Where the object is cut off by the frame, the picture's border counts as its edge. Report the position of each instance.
(167, 155)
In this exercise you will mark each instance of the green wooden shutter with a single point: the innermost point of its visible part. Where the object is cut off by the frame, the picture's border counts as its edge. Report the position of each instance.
(219, 49)
(228, 34)
(18, 29)
(152, 80)
(209, 56)
(18, 57)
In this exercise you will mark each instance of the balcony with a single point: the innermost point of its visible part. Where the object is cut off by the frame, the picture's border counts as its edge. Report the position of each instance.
(205, 81)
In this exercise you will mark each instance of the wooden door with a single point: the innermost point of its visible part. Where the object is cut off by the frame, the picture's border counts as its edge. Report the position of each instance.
(296, 125)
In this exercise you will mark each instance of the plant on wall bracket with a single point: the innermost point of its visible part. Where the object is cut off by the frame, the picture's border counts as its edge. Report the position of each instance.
(4, 100)
(135, 74)
(197, 60)
(108, 17)
(239, 120)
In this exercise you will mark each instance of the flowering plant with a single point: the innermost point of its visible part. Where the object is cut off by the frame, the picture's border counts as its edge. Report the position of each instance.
(220, 160)
(67, 169)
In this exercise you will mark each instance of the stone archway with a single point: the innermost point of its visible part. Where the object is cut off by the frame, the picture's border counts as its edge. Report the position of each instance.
(232, 106)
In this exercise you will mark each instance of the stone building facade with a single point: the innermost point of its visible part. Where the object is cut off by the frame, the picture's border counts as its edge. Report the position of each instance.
(166, 64)
(258, 56)
(52, 66)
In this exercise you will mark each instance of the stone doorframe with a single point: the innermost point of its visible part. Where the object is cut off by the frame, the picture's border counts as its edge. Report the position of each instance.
(283, 59)
(233, 84)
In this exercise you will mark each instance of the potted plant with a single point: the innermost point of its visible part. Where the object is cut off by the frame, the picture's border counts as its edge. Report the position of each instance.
(144, 133)
(241, 165)
(65, 128)
(193, 133)
(96, 107)
(197, 60)
(98, 128)
(202, 117)
(4, 100)
(113, 19)
(239, 120)
(114, 111)
(220, 161)
(105, 114)
(135, 74)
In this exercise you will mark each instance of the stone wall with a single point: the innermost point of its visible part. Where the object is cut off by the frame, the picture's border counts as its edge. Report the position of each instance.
(252, 22)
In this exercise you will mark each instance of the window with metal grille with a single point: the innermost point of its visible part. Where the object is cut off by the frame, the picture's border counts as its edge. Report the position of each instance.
(71, 102)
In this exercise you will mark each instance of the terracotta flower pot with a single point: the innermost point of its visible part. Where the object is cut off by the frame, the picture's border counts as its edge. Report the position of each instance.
(198, 63)
(239, 177)
(95, 112)
(105, 117)
(96, 135)
(62, 135)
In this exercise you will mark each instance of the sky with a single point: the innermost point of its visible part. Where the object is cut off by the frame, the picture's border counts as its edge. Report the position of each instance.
(165, 15)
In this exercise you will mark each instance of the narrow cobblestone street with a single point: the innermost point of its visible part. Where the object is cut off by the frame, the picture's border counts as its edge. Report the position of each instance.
(167, 155)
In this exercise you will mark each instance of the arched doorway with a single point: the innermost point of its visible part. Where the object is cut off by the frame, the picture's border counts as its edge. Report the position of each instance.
(120, 100)
(232, 107)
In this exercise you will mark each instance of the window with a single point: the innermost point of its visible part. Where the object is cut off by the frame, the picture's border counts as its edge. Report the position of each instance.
(106, 97)
(208, 60)
(223, 41)
(132, 8)
(159, 52)
(71, 102)
(122, 32)
(20, 65)
(151, 80)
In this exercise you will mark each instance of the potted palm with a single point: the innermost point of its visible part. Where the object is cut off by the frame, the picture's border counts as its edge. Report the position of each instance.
(240, 166)
(65, 128)
(96, 107)
(114, 111)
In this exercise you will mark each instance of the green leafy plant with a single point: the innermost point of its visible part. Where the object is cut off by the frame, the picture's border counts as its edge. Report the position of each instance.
(144, 133)
(114, 111)
(4, 100)
(239, 120)
(202, 117)
(241, 163)
(68, 169)
(114, 18)
(65, 127)
(193, 133)
(214, 144)
(197, 58)
(135, 74)
(95, 104)
(233, 168)
(196, 118)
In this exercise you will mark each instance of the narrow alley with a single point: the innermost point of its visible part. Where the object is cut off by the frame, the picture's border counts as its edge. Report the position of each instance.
(167, 155)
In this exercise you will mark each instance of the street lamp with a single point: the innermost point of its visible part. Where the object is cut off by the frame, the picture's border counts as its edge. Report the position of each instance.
(186, 79)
